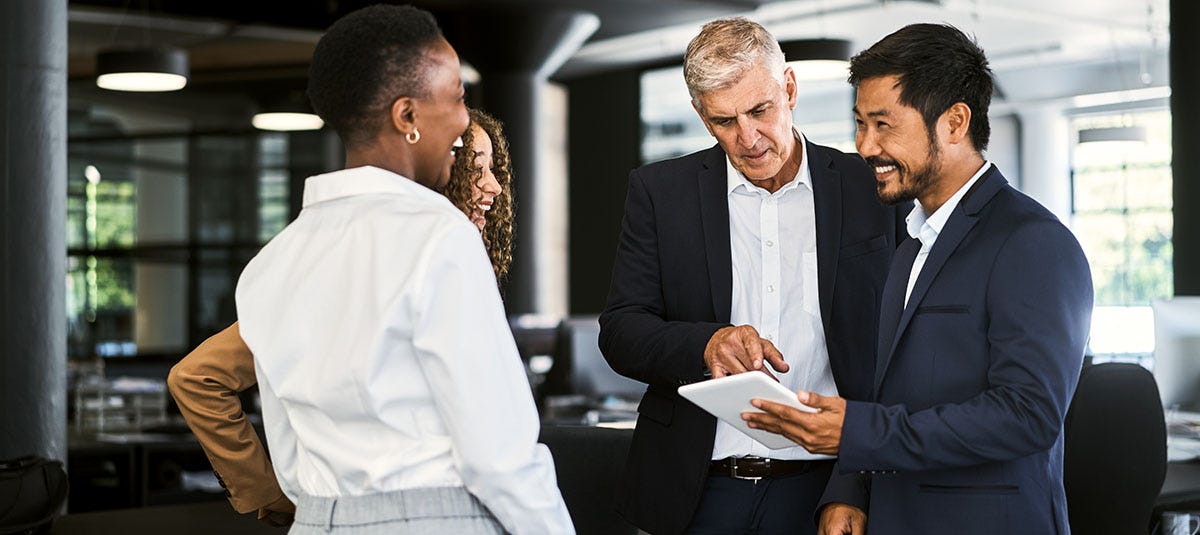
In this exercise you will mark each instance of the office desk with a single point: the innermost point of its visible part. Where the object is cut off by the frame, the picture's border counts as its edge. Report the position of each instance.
(187, 519)
(119, 471)
(1181, 488)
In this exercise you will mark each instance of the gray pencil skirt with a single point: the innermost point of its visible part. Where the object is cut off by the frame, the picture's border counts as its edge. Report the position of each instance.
(448, 510)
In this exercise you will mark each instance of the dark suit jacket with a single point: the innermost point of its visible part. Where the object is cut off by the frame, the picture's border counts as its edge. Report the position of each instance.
(671, 290)
(974, 376)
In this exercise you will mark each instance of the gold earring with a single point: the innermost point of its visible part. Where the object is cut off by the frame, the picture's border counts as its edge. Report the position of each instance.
(413, 137)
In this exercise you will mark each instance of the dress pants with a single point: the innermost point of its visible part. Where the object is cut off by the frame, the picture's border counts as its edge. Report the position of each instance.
(768, 506)
(424, 511)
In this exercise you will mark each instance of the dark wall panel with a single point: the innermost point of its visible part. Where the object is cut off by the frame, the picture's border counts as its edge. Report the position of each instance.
(604, 141)
(1185, 112)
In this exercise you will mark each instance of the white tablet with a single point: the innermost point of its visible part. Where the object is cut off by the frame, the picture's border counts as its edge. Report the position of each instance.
(728, 397)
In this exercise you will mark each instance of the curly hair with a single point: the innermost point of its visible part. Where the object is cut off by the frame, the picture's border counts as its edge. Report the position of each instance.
(497, 234)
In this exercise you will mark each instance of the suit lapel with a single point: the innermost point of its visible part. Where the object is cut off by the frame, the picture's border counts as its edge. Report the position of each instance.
(961, 221)
(827, 204)
(892, 304)
(714, 219)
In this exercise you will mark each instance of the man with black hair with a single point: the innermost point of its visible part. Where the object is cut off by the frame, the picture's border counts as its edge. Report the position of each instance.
(985, 315)
(381, 415)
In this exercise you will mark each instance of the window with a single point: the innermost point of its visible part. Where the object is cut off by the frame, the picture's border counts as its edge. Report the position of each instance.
(159, 227)
(1122, 215)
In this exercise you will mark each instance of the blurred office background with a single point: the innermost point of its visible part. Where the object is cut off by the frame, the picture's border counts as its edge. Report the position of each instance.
(166, 195)
(169, 194)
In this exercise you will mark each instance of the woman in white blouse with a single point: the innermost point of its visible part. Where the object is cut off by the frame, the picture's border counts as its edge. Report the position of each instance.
(393, 396)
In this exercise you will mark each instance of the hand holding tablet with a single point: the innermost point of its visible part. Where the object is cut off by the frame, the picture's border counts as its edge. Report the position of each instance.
(728, 397)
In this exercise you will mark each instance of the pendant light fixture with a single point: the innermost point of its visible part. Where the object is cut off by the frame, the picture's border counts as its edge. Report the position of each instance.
(287, 111)
(818, 59)
(286, 121)
(142, 69)
(1113, 134)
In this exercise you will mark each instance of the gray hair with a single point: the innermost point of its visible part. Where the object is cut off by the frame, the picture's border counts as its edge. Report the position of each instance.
(724, 50)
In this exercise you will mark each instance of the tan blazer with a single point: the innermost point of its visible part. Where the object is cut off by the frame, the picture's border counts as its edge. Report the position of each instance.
(205, 386)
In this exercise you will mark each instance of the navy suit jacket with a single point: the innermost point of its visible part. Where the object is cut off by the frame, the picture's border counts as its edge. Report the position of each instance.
(973, 376)
(672, 289)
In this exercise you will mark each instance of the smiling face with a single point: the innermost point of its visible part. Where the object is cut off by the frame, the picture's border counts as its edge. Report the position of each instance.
(894, 141)
(485, 188)
(441, 117)
(752, 121)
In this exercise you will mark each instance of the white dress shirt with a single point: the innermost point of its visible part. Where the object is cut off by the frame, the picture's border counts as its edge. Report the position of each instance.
(926, 228)
(773, 241)
(384, 358)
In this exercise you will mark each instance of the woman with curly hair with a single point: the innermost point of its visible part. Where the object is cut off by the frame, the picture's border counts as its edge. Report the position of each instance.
(481, 186)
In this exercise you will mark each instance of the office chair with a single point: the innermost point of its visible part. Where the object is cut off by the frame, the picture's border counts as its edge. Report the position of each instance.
(589, 461)
(1115, 455)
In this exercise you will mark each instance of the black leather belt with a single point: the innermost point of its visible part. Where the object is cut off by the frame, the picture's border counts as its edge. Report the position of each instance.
(758, 467)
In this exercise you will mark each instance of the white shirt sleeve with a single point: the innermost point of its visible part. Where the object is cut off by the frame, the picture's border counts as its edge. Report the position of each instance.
(466, 351)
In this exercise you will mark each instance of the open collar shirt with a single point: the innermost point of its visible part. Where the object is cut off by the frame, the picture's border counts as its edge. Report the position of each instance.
(925, 228)
(773, 244)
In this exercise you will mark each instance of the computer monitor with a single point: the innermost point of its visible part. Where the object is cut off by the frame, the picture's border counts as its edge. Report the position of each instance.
(1177, 352)
(590, 374)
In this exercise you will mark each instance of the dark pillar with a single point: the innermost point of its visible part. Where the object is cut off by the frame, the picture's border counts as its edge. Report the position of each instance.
(1185, 136)
(33, 193)
(515, 53)
(605, 112)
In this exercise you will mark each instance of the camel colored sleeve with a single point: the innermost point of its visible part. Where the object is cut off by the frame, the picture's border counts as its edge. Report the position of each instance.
(205, 385)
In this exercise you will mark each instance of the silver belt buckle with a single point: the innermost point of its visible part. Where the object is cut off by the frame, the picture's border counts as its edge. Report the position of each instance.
(733, 462)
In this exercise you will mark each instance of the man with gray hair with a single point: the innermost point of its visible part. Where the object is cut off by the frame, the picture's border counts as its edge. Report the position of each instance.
(765, 253)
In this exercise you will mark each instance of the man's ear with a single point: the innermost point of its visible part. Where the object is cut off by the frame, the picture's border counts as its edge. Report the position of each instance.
(791, 87)
(958, 122)
(404, 115)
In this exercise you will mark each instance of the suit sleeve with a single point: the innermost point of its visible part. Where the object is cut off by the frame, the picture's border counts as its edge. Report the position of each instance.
(1039, 303)
(205, 386)
(849, 488)
(635, 336)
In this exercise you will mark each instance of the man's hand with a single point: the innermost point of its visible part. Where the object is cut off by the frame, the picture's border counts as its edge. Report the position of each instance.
(842, 519)
(738, 349)
(819, 432)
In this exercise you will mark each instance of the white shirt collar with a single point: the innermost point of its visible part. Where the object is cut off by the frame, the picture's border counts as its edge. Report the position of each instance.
(927, 227)
(735, 178)
(359, 181)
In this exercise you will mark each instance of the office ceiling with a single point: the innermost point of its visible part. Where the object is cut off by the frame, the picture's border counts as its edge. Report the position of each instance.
(1039, 50)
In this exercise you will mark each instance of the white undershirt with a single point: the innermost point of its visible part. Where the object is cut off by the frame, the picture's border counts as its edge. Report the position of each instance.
(773, 244)
(926, 228)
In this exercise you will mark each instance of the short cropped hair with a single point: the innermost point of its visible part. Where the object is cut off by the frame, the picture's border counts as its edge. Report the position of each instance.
(724, 50)
(367, 60)
(937, 66)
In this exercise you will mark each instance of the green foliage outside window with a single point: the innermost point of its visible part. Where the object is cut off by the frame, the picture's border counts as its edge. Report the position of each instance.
(1122, 210)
